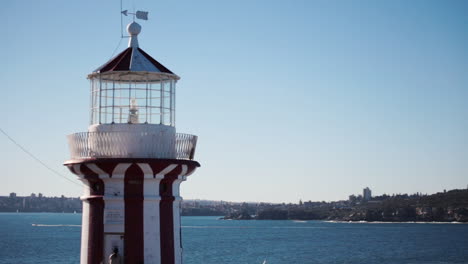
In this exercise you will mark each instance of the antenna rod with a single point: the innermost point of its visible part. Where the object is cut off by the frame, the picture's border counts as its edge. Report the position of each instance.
(121, 20)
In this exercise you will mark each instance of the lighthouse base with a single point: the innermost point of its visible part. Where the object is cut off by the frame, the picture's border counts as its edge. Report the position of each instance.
(132, 205)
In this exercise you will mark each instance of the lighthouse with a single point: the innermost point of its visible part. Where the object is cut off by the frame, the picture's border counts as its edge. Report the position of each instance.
(131, 161)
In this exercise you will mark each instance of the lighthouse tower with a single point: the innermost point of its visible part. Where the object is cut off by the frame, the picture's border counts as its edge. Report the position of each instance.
(131, 161)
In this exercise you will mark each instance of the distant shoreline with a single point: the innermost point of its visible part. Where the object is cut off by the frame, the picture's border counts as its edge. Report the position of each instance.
(325, 221)
(444, 207)
(389, 222)
(352, 222)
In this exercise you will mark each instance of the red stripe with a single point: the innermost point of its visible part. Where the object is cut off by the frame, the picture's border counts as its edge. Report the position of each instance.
(96, 230)
(96, 217)
(166, 214)
(133, 240)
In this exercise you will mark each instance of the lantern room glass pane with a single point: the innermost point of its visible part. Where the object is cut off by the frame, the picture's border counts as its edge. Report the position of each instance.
(116, 101)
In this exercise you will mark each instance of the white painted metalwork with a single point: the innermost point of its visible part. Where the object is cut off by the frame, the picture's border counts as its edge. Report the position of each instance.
(133, 30)
(131, 145)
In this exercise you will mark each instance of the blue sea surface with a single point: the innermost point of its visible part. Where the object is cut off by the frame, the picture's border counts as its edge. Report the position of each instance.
(55, 238)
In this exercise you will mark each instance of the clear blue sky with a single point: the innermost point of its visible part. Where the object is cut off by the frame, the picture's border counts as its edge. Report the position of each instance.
(310, 100)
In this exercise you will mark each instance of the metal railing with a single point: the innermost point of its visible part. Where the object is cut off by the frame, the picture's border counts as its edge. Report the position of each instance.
(132, 145)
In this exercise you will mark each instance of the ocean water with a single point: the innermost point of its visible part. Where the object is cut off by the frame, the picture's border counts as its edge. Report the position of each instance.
(55, 238)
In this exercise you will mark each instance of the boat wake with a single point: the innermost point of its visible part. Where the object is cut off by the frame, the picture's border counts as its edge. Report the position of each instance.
(258, 227)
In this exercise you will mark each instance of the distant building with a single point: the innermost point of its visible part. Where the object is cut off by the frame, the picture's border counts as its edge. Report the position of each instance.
(33, 195)
(366, 194)
(12, 195)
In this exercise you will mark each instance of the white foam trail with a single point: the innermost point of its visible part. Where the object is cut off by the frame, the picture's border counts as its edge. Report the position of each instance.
(259, 227)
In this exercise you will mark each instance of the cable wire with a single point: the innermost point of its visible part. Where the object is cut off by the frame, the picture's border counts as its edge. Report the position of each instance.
(118, 45)
(36, 159)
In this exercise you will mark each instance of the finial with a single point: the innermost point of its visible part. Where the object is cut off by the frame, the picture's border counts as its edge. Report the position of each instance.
(133, 30)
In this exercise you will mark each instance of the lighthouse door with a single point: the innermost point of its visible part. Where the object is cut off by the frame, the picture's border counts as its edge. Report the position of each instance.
(111, 241)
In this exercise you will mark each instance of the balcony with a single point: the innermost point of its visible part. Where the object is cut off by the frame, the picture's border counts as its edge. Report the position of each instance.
(87, 145)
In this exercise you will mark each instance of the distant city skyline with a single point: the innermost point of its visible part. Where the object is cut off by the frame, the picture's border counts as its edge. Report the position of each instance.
(366, 194)
(310, 100)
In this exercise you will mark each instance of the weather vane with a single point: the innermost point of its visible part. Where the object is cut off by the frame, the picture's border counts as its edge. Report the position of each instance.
(143, 15)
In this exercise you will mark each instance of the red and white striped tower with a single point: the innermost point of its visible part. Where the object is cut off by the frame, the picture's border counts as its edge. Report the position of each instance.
(132, 161)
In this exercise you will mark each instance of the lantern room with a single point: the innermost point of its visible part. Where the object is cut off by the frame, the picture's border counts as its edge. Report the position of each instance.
(133, 88)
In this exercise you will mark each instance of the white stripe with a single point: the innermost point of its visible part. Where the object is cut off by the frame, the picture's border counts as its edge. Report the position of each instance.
(97, 170)
(167, 170)
(147, 171)
(119, 170)
(176, 215)
(86, 189)
(177, 239)
(176, 186)
(76, 168)
(184, 170)
(84, 233)
(114, 204)
(85, 222)
(151, 223)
